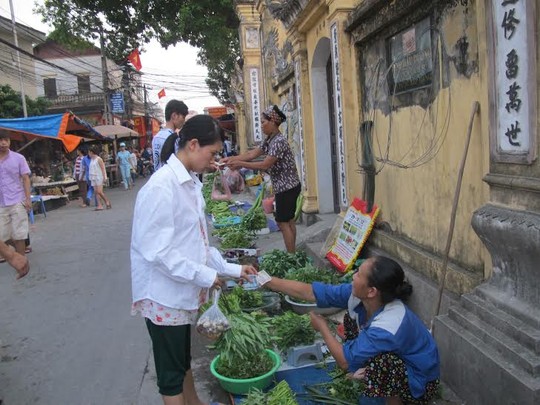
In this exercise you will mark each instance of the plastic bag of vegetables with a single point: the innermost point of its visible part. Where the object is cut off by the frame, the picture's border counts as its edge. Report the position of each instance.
(220, 189)
(212, 323)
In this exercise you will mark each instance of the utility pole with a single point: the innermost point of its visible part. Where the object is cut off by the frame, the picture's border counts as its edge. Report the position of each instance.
(105, 75)
(16, 42)
(146, 126)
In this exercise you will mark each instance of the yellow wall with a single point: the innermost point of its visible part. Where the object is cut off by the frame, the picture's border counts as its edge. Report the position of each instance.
(415, 201)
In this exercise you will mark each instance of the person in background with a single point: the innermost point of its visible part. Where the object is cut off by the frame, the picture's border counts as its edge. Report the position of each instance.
(172, 262)
(279, 163)
(17, 261)
(133, 161)
(123, 158)
(15, 199)
(80, 176)
(175, 116)
(393, 353)
(98, 176)
(86, 168)
(227, 146)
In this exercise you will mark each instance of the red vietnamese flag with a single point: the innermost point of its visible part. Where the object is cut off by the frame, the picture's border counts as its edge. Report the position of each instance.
(161, 93)
(135, 58)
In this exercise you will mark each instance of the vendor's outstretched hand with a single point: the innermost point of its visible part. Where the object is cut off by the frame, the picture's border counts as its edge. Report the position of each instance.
(248, 270)
(318, 322)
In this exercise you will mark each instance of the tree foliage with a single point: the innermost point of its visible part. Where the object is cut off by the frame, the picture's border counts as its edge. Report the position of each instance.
(11, 104)
(210, 25)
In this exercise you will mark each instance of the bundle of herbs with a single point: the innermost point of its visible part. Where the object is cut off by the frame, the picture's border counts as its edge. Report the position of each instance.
(228, 304)
(247, 298)
(309, 274)
(255, 219)
(278, 262)
(293, 330)
(208, 184)
(281, 394)
(236, 236)
(341, 390)
(243, 347)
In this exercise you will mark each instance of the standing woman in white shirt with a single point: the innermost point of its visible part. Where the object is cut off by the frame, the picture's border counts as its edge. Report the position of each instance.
(172, 263)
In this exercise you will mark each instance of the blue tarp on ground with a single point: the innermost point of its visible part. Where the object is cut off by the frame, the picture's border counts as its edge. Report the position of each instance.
(298, 378)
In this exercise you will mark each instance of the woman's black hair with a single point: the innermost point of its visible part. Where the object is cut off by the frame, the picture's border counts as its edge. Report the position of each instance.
(94, 149)
(202, 127)
(388, 277)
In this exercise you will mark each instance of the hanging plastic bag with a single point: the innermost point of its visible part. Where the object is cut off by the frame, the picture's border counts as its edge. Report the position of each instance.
(213, 323)
(220, 189)
(234, 180)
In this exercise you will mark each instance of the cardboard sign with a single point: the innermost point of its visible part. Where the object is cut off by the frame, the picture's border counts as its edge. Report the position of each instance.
(353, 234)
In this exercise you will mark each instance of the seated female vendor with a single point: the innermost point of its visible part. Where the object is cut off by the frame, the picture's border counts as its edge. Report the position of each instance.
(393, 352)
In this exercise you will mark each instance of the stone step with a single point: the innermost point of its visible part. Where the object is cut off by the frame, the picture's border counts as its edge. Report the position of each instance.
(517, 329)
(477, 371)
(504, 345)
(529, 314)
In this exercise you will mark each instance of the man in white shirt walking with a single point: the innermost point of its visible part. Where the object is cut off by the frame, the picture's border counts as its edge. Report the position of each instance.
(175, 116)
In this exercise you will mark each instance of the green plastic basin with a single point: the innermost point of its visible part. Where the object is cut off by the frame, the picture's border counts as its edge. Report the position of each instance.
(242, 386)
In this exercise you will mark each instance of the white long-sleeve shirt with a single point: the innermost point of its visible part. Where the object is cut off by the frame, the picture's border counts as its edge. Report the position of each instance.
(171, 260)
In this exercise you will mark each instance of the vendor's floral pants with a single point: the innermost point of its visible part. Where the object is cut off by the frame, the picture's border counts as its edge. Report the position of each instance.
(386, 376)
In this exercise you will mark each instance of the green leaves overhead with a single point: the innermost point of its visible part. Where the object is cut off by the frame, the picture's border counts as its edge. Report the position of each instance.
(210, 25)
(11, 104)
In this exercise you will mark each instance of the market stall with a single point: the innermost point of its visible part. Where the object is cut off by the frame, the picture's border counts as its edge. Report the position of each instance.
(67, 128)
(50, 163)
(115, 133)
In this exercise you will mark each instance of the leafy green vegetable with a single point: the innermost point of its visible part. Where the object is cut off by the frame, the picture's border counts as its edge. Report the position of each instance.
(340, 390)
(242, 347)
(247, 299)
(228, 304)
(309, 274)
(281, 394)
(236, 237)
(255, 219)
(293, 330)
(277, 262)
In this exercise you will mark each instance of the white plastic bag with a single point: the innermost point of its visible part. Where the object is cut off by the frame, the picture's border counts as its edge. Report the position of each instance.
(213, 322)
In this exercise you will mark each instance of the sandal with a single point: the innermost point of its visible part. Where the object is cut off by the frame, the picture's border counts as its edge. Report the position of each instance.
(98, 209)
(109, 206)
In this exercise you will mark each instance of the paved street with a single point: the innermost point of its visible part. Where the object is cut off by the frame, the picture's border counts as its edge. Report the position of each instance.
(66, 334)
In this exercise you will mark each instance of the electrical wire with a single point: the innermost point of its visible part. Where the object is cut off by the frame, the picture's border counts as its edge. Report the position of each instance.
(435, 143)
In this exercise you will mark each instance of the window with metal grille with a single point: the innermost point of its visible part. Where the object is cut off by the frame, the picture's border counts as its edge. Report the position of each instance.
(83, 84)
(49, 85)
(410, 58)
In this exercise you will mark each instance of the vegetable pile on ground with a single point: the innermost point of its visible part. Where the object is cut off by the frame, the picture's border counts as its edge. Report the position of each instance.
(255, 218)
(292, 330)
(281, 394)
(341, 390)
(211, 204)
(247, 299)
(309, 274)
(235, 236)
(243, 347)
(278, 262)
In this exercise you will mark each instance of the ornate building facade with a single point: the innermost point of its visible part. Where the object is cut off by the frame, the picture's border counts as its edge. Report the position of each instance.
(381, 97)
